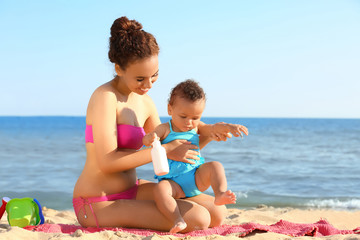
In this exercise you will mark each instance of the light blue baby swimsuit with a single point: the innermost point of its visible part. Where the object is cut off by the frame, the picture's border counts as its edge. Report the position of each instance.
(180, 172)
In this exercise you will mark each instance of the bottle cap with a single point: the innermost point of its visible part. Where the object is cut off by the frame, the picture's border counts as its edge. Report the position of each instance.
(156, 143)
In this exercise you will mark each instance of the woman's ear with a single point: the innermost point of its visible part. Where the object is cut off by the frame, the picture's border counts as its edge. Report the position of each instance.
(119, 71)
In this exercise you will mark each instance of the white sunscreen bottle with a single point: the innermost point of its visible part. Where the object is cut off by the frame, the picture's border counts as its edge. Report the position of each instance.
(159, 159)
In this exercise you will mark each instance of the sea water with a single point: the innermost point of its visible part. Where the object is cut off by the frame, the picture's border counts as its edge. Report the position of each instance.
(283, 162)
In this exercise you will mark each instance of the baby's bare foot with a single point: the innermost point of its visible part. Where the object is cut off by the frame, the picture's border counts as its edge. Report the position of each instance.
(227, 197)
(180, 225)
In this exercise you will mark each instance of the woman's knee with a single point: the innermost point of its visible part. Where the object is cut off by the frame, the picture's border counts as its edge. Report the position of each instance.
(201, 218)
(218, 215)
(196, 216)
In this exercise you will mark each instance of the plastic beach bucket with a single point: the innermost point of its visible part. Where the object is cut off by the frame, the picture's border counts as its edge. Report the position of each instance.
(23, 212)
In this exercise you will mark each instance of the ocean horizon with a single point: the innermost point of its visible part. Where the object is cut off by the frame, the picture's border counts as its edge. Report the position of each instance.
(284, 162)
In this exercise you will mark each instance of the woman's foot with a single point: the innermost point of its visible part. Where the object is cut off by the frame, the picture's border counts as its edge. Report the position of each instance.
(227, 197)
(179, 226)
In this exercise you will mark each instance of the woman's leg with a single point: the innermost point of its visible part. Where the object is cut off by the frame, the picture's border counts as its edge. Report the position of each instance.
(142, 214)
(217, 212)
(165, 193)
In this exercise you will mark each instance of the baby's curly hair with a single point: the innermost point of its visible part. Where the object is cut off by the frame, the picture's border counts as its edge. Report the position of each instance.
(189, 90)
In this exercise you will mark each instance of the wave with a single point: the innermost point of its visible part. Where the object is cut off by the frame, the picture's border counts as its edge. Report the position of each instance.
(342, 204)
(252, 199)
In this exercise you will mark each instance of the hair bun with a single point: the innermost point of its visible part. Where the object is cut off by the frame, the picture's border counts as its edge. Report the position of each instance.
(129, 42)
(123, 24)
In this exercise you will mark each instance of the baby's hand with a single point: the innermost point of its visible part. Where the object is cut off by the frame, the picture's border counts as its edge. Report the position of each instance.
(226, 129)
(149, 138)
(237, 130)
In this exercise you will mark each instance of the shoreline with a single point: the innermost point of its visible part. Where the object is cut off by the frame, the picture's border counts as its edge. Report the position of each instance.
(340, 219)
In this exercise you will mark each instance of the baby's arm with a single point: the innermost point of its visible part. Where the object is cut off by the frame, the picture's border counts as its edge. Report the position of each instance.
(221, 131)
(158, 133)
(236, 130)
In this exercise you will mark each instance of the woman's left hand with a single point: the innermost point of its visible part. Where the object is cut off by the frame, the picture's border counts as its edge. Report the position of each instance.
(181, 151)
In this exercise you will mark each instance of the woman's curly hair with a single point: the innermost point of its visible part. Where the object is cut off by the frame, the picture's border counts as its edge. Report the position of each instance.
(129, 43)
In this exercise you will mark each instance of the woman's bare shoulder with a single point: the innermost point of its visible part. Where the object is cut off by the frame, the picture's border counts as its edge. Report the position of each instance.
(104, 89)
(148, 100)
(103, 96)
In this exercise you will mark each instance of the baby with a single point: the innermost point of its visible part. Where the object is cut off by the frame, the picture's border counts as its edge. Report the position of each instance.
(186, 105)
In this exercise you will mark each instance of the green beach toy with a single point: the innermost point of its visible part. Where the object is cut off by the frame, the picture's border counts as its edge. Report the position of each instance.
(23, 212)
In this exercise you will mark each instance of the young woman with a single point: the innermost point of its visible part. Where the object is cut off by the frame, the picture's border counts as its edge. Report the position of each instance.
(108, 192)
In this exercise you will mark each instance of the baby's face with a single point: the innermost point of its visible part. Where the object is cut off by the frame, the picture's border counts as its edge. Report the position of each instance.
(185, 114)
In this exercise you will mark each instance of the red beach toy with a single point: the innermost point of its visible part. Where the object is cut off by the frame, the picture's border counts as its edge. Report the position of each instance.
(5, 200)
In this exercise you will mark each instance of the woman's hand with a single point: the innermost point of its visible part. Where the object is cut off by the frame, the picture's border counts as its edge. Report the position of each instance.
(181, 151)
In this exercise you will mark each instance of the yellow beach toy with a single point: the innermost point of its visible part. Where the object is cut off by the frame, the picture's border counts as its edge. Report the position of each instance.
(23, 212)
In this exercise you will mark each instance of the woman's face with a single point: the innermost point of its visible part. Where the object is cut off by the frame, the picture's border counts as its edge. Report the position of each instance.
(140, 75)
(185, 114)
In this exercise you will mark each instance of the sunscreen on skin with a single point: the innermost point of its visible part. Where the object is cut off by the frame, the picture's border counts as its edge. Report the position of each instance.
(159, 159)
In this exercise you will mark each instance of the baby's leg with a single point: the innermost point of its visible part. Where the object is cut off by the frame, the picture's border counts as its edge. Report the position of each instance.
(213, 174)
(165, 194)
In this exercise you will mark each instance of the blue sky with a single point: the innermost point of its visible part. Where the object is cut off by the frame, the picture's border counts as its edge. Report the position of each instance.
(253, 58)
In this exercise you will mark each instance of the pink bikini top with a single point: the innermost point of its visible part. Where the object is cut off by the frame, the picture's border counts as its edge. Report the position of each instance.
(128, 136)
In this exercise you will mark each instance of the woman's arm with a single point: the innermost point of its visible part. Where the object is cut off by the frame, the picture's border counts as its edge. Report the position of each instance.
(109, 157)
(153, 119)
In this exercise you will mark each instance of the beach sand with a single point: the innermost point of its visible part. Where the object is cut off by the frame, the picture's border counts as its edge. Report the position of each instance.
(263, 215)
